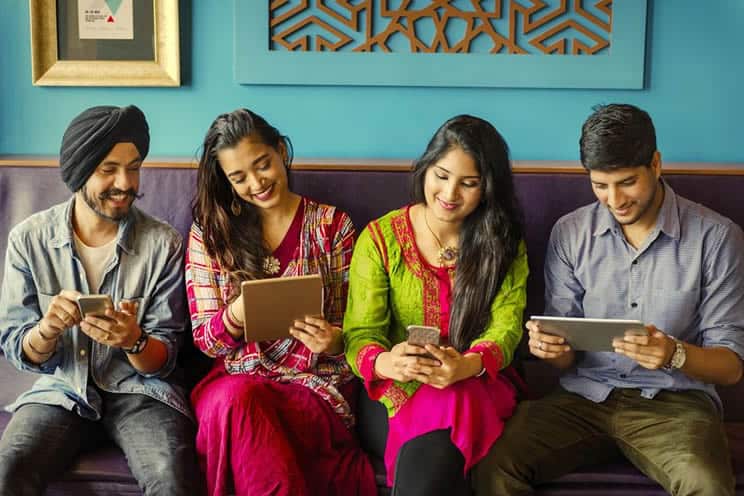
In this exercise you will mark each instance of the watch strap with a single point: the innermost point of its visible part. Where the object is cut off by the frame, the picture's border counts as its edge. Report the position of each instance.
(139, 345)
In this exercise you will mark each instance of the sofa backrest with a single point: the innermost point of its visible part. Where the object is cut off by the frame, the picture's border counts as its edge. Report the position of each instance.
(367, 194)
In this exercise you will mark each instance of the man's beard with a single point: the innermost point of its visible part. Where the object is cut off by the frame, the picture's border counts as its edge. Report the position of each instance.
(96, 203)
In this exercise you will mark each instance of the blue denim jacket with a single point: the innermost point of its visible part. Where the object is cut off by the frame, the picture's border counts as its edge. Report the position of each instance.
(147, 267)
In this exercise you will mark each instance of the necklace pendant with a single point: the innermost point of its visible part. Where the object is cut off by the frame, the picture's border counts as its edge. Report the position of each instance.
(271, 265)
(448, 254)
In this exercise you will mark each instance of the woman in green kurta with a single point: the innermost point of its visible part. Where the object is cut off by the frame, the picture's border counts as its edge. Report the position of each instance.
(454, 260)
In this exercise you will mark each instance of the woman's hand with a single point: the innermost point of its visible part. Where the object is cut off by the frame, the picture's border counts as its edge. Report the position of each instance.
(318, 335)
(454, 367)
(404, 362)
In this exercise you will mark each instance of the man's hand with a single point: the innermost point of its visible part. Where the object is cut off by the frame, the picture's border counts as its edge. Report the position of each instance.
(318, 335)
(652, 351)
(117, 329)
(404, 363)
(544, 345)
(62, 314)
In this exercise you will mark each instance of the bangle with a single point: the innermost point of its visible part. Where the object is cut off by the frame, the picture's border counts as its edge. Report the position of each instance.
(44, 336)
(231, 320)
(44, 354)
(483, 366)
(375, 373)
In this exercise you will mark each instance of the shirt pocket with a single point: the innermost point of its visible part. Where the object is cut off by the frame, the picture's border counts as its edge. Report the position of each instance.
(605, 305)
(673, 311)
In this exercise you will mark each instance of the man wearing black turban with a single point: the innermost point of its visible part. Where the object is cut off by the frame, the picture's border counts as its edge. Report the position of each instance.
(105, 372)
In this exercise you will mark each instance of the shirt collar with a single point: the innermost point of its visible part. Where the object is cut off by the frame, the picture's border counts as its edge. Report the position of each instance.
(63, 230)
(667, 221)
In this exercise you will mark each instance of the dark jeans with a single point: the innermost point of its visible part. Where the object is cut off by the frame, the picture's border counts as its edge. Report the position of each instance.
(42, 441)
(429, 465)
(677, 439)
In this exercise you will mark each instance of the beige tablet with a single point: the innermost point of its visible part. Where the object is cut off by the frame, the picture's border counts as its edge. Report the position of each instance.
(271, 305)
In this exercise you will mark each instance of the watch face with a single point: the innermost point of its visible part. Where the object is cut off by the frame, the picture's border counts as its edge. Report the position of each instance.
(679, 357)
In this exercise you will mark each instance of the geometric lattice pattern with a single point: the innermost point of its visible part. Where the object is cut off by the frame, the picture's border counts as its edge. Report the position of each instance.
(553, 27)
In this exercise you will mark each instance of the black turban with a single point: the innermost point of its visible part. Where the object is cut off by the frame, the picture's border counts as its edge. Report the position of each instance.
(91, 136)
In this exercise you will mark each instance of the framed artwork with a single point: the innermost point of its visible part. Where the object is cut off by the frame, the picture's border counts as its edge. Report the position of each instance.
(105, 43)
(479, 43)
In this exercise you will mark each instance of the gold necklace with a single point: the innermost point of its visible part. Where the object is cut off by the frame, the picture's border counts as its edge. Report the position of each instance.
(447, 254)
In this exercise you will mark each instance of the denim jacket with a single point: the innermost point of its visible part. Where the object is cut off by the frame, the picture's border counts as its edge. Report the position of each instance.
(147, 267)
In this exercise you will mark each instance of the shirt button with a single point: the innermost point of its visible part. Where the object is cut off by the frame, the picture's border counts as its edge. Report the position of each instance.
(634, 304)
(82, 352)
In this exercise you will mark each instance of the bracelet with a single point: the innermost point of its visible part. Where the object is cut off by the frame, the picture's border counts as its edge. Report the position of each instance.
(231, 320)
(44, 354)
(375, 373)
(483, 366)
(139, 345)
(44, 336)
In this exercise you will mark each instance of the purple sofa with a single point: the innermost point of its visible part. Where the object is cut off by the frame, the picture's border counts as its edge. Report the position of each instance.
(546, 193)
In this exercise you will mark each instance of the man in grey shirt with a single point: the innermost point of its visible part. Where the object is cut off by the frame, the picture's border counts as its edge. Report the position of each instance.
(101, 376)
(640, 252)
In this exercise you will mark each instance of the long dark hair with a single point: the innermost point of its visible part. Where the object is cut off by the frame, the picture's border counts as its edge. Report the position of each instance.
(236, 241)
(490, 235)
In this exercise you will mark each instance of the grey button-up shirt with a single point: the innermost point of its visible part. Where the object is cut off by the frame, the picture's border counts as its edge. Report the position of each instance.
(147, 267)
(687, 279)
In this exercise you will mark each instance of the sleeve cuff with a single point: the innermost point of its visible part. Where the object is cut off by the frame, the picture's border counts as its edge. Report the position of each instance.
(220, 333)
(366, 363)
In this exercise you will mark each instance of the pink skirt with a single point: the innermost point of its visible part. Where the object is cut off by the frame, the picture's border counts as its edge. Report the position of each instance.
(475, 409)
(261, 437)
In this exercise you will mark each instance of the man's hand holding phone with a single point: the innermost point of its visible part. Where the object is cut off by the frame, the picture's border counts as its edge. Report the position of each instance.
(117, 328)
(62, 314)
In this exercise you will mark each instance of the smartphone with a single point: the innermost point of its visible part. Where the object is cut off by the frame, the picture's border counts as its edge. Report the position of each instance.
(421, 335)
(95, 305)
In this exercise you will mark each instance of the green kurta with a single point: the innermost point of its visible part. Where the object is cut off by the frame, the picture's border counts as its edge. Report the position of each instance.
(391, 287)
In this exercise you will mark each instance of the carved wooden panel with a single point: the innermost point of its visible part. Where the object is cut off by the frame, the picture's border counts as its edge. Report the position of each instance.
(579, 27)
(479, 43)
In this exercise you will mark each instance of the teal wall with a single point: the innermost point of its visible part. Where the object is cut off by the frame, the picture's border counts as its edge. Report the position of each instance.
(694, 78)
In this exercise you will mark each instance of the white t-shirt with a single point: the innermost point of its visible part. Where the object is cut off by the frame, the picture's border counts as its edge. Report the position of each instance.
(94, 259)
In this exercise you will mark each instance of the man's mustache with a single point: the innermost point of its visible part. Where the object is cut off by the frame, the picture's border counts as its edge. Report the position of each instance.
(131, 193)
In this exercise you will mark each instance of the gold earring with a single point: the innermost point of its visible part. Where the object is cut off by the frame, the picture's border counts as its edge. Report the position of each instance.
(235, 206)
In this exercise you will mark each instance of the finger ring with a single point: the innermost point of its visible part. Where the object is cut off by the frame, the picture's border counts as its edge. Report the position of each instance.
(540, 346)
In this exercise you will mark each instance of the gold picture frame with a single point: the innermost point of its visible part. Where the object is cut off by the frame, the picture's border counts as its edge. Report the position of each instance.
(48, 70)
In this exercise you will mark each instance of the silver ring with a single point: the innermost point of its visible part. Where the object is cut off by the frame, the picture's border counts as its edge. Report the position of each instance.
(540, 346)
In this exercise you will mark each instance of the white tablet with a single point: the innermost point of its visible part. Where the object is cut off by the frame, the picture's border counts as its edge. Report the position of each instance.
(589, 334)
(271, 305)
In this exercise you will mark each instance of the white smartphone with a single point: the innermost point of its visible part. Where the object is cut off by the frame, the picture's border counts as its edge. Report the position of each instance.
(95, 305)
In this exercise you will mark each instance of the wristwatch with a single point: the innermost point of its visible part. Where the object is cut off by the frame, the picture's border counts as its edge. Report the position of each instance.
(678, 357)
(139, 345)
